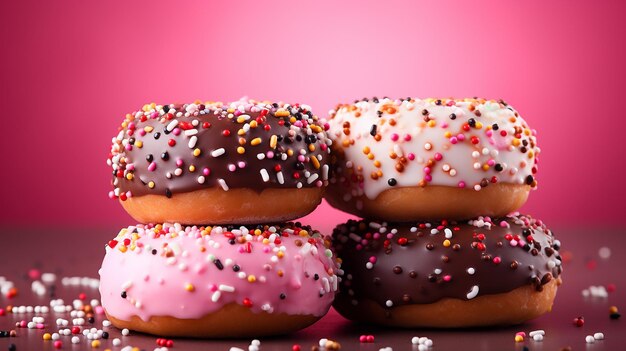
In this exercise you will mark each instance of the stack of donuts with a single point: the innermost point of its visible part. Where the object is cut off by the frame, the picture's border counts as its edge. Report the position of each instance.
(438, 182)
(212, 186)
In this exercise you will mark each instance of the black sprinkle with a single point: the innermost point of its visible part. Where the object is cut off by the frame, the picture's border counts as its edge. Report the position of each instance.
(124, 294)
(495, 126)
(530, 179)
(236, 268)
(157, 135)
(392, 182)
(168, 193)
(219, 264)
(283, 296)
(453, 116)
(105, 335)
(149, 158)
(373, 130)
(316, 276)
(165, 156)
(154, 251)
(166, 108)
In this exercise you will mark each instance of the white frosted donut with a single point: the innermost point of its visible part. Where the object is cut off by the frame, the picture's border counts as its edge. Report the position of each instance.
(217, 281)
(431, 158)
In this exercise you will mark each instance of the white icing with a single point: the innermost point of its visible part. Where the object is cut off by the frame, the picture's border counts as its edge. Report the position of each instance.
(460, 162)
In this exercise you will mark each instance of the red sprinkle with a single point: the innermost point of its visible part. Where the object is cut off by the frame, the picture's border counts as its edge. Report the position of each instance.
(247, 302)
(579, 321)
(112, 243)
(75, 330)
(171, 142)
(295, 347)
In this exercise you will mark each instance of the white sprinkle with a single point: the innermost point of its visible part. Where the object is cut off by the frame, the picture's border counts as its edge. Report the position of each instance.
(280, 177)
(369, 265)
(106, 323)
(537, 337)
(265, 175)
(536, 332)
(260, 156)
(604, 253)
(235, 349)
(216, 296)
(312, 178)
(598, 336)
(226, 288)
(448, 233)
(589, 339)
(75, 340)
(325, 172)
(389, 303)
(201, 179)
(473, 292)
(125, 332)
(223, 184)
(117, 342)
(172, 125)
(218, 152)
(192, 142)
(190, 132)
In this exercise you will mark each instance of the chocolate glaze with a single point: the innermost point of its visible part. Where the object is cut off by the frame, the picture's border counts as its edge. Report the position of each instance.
(149, 137)
(406, 259)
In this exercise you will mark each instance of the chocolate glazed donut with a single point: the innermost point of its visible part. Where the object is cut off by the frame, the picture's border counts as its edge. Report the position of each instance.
(447, 274)
(220, 158)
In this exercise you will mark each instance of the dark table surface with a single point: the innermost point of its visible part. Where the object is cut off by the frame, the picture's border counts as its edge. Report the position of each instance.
(76, 252)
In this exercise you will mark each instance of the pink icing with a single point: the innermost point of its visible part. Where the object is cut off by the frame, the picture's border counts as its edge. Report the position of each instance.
(183, 279)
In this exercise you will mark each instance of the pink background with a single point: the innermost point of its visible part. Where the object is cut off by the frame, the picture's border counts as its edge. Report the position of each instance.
(72, 69)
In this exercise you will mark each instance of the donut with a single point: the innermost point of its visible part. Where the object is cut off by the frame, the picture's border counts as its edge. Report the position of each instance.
(447, 274)
(218, 282)
(214, 163)
(412, 159)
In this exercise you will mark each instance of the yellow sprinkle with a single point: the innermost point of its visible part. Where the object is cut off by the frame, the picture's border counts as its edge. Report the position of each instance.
(47, 336)
(281, 112)
(189, 287)
(316, 162)
(280, 254)
(289, 152)
(446, 243)
(370, 156)
(192, 168)
(241, 132)
(129, 176)
(273, 141)
(241, 119)
(530, 154)
(197, 152)
(257, 232)
(266, 241)
(303, 233)
(316, 129)
(241, 150)
(516, 142)
(133, 247)
(148, 129)
(478, 125)
(255, 141)
(139, 144)
(135, 236)
(311, 147)
(519, 338)
(251, 278)
(95, 344)
(447, 134)
(253, 124)
(122, 248)
(230, 110)
(432, 123)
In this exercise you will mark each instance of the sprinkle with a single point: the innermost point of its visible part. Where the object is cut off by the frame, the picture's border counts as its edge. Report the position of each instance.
(473, 292)
(218, 152)
(189, 287)
(223, 184)
(264, 175)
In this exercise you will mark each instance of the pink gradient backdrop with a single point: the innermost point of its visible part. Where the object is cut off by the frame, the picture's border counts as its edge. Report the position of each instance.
(71, 69)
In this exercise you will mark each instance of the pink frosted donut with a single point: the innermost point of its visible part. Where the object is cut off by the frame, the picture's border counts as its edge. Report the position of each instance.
(175, 280)
(423, 159)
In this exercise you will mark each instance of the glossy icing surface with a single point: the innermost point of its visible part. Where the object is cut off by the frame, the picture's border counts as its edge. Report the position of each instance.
(465, 143)
(189, 272)
(168, 149)
(418, 263)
